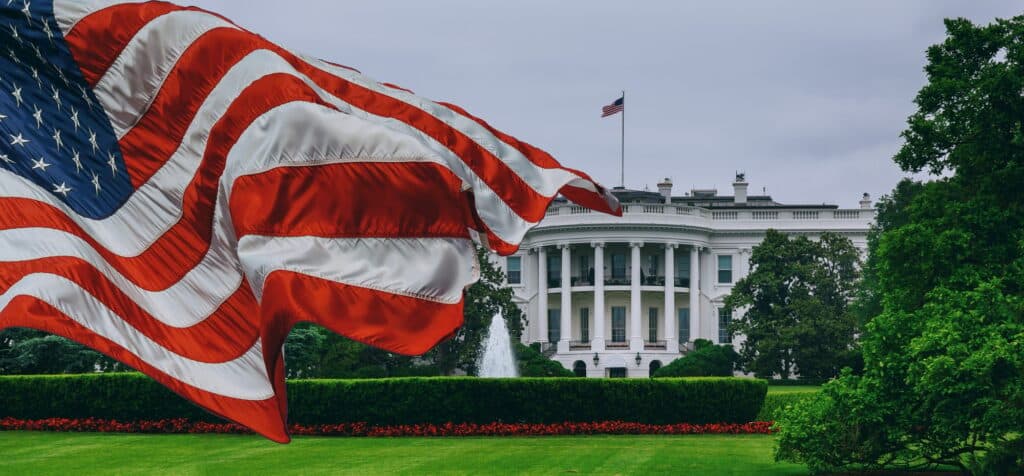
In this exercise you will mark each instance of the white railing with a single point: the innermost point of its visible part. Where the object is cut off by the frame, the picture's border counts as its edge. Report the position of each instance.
(717, 215)
(805, 215)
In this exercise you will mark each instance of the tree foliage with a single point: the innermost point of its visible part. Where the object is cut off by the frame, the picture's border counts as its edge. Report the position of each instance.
(28, 351)
(794, 306)
(706, 360)
(944, 352)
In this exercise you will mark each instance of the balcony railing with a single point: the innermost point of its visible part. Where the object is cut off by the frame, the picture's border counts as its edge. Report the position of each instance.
(617, 281)
(616, 345)
(682, 282)
(723, 215)
(554, 282)
(654, 345)
(582, 281)
(579, 345)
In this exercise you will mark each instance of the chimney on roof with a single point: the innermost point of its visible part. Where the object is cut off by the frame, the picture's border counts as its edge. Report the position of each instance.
(665, 189)
(865, 201)
(739, 187)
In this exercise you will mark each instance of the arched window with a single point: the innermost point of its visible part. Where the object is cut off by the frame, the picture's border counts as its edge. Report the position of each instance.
(579, 368)
(655, 365)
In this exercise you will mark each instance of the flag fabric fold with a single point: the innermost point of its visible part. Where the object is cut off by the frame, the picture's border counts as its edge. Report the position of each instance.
(177, 192)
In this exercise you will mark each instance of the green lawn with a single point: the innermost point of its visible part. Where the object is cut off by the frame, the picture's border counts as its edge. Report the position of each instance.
(78, 453)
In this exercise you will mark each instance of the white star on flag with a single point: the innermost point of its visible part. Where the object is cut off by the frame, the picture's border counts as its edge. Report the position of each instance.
(18, 140)
(40, 164)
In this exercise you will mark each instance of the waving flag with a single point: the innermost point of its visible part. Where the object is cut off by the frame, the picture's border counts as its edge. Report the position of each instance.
(177, 192)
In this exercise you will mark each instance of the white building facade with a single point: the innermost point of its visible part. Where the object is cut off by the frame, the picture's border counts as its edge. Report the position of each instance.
(622, 296)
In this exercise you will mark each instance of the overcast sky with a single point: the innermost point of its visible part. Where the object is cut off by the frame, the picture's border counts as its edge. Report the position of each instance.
(808, 98)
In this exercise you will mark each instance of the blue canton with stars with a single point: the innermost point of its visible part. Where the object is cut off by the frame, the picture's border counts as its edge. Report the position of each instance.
(53, 131)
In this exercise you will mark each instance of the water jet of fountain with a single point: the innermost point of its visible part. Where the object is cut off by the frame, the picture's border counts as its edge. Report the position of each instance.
(497, 359)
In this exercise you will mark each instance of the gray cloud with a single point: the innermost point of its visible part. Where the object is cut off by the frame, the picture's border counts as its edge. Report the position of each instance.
(807, 97)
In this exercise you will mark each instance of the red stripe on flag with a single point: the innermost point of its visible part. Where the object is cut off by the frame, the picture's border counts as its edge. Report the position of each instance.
(226, 334)
(393, 322)
(97, 40)
(352, 199)
(263, 416)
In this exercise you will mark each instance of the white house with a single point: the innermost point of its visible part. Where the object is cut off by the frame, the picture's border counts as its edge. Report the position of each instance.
(621, 296)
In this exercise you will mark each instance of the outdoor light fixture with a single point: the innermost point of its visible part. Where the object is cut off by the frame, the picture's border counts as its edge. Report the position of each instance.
(596, 359)
(638, 359)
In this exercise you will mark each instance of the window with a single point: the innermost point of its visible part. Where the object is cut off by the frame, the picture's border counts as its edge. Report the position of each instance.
(586, 271)
(724, 268)
(579, 368)
(682, 269)
(684, 325)
(617, 372)
(585, 324)
(652, 265)
(652, 324)
(555, 271)
(514, 268)
(554, 325)
(724, 319)
(618, 266)
(618, 324)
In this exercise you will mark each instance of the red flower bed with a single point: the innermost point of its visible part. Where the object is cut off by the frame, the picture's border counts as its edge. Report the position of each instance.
(362, 429)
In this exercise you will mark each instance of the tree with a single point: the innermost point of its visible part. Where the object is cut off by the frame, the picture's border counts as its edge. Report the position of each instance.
(484, 299)
(794, 306)
(944, 354)
(28, 351)
(706, 360)
(532, 363)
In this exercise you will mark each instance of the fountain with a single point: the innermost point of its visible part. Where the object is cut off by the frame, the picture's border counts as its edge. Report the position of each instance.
(498, 359)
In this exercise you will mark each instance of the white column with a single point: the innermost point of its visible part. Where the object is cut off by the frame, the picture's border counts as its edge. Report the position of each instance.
(597, 340)
(694, 293)
(566, 312)
(636, 337)
(542, 293)
(671, 335)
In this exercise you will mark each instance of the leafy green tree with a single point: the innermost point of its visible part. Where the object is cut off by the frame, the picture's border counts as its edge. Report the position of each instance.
(706, 360)
(794, 306)
(532, 363)
(303, 350)
(28, 351)
(944, 355)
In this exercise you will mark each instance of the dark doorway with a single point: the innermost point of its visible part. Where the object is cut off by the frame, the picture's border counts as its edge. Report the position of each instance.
(579, 368)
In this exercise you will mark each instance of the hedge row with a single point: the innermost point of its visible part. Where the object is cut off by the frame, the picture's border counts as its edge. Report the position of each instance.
(403, 401)
(774, 403)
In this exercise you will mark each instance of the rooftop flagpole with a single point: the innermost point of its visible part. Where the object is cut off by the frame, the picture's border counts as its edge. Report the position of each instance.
(622, 166)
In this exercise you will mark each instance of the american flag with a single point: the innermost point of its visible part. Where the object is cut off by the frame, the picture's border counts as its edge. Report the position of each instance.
(614, 108)
(176, 192)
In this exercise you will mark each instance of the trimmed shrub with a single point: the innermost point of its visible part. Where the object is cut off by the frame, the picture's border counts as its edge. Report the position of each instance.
(400, 401)
(775, 403)
(532, 363)
(706, 360)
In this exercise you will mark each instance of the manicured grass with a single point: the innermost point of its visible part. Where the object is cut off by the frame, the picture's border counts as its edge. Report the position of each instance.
(84, 453)
(793, 388)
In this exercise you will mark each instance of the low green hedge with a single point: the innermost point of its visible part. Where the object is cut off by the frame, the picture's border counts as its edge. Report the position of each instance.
(774, 403)
(133, 397)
